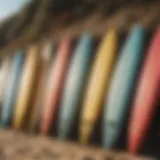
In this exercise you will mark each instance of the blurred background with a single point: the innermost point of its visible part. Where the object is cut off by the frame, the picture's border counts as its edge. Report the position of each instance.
(9, 8)
(25, 21)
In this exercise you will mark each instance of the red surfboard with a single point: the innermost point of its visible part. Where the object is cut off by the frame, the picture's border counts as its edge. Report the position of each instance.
(56, 82)
(144, 104)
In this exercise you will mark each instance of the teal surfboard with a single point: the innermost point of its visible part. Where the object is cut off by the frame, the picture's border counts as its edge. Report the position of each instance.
(11, 92)
(121, 87)
(74, 84)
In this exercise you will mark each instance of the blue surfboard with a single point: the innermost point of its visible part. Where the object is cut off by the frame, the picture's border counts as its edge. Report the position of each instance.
(11, 92)
(74, 84)
(121, 87)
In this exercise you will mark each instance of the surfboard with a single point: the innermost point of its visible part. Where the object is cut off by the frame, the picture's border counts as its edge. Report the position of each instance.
(121, 87)
(11, 92)
(5, 68)
(46, 55)
(74, 84)
(97, 85)
(26, 87)
(147, 94)
(56, 82)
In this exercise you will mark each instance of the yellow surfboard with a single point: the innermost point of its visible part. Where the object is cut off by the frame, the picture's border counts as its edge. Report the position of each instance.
(26, 89)
(97, 85)
(46, 56)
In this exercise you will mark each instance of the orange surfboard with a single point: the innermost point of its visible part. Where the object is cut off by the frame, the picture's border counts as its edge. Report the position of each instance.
(144, 104)
(56, 82)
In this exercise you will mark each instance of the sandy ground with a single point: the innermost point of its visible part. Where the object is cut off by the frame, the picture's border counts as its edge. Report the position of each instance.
(20, 146)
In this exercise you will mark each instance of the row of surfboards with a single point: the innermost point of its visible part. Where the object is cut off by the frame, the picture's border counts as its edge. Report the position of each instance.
(42, 84)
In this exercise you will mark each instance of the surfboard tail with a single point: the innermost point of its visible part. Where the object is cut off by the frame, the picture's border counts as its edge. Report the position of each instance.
(85, 132)
(63, 129)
